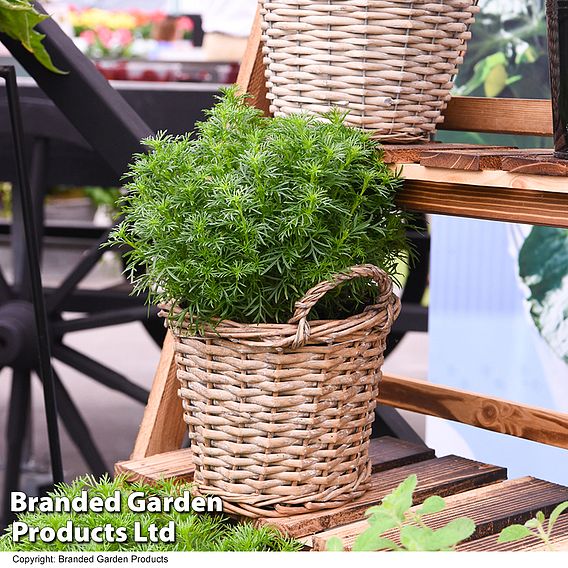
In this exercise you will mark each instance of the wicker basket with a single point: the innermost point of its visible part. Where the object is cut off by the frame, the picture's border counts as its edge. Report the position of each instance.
(391, 63)
(280, 415)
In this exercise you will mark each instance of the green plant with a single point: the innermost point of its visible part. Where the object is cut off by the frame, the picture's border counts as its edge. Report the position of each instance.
(394, 519)
(535, 527)
(194, 532)
(240, 221)
(18, 19)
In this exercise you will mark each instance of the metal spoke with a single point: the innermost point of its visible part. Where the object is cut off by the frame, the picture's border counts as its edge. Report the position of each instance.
(99, 372)
(15, 434)
(56, 300)
(77, 429)
(103, 319)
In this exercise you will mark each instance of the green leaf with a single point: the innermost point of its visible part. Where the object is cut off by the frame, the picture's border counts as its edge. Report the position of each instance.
(382, 520)
(455, 531)
(555, 514)
(370, 540)
(416, 539)
(514, 532)
(18, 21)
(433, 504)
(400, 500)
(543, 266)
(532, 524)
(540, 517)
(334, 544)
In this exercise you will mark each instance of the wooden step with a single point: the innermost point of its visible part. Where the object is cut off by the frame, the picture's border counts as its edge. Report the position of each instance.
(384, 452)
(559, 541)
(492, 508)
(441, 476)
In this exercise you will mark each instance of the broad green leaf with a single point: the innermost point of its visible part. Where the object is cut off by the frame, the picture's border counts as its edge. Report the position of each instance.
(495, 81)
(543, 266)
(18, 22)
(540, 517)
(382, 520)
(416, 538)
(431, 505)
(532, 524)
(455, 531)
(400, 500)
(555, 514)
(481, 71)
(370, 540)
(334, 544)
(514, 532)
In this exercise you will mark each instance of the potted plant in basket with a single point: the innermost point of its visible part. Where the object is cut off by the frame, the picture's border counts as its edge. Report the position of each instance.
(246, 234)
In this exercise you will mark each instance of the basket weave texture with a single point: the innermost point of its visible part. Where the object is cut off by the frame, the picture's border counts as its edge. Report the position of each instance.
(280, 415)
(391, 63)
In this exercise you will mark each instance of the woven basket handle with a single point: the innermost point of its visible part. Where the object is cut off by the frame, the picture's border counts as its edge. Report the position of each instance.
(312, 296)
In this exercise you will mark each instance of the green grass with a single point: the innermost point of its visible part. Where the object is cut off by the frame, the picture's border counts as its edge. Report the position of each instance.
(195, 532)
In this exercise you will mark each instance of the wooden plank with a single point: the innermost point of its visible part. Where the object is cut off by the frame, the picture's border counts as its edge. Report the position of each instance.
(176, 464)
(486, 178)
(413, 153)
(442, 476)
(487, 412)
(474, 159)
(387, 453)
(502, 116)
(479, 202)
(251, 78)
(492, 508)
(558, 539)
(546, 165)
(384, 452)
(162, 428)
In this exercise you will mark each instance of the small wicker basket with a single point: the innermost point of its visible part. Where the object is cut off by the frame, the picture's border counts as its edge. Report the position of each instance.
(391, 63)
(280, 415)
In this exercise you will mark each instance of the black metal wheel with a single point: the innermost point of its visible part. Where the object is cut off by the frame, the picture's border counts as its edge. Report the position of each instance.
(69, 309)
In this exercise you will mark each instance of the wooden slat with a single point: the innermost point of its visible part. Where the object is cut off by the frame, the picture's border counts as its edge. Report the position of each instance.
(479, 202)
(487, 178)
(177, 464)
(442, 476)
(559, 539)
(251, 77)
(384, 452)
(492, 508)
(475, 159)
(413, 153)
(491, 413)
(162, 427)
(546, 165)
(501, 116)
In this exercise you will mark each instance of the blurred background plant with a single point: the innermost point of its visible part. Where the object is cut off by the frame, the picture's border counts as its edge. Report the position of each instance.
(506, 57)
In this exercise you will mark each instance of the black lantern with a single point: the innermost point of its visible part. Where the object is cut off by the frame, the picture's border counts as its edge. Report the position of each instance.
(557, 19)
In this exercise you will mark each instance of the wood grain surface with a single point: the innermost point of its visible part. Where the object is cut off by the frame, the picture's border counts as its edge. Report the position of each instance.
(176, 464)
(479, 202)
(492, 508)
(474, 159)
(442, 476)
(162, 428)
(487, 412)
(502, 116)
(559, 540)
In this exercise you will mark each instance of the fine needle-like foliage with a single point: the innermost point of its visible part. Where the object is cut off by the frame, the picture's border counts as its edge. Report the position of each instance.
(241, 220)
(194, 532)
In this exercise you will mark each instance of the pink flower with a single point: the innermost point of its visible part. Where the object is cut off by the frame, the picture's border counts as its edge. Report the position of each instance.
(123, 37)
(185, 24)
(89, 36)
(105, 37)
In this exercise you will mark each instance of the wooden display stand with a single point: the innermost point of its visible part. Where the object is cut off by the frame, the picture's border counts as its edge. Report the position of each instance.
(502, 184)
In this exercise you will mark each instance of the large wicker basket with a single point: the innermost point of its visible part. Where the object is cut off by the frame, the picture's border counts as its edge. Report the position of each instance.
(391, 63)
(280, 415)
